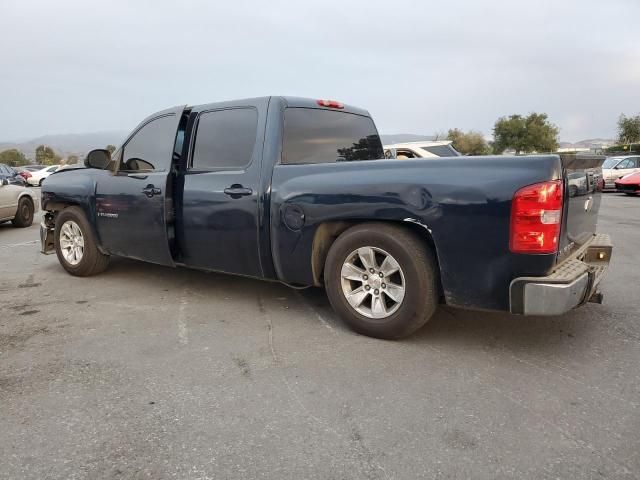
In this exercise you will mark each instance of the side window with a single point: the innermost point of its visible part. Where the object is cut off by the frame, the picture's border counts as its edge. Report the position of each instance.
(3, 170)
(52, 169)
(313, 135)
(405, 153)
(628, 163)
(149, 149)
(225, 139)
(637, 162)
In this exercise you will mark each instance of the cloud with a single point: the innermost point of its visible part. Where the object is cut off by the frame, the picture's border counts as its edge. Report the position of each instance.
(418, 66)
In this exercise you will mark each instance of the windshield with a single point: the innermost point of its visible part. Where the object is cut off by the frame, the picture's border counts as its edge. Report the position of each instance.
(611, 162)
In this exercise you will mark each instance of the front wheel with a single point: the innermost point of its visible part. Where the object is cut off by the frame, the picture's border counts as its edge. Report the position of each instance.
(24, 213)
(76, 246)
(382, 280)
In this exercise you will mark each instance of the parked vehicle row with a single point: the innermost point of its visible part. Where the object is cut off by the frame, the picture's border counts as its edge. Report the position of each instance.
(12, 175)
(32, 175)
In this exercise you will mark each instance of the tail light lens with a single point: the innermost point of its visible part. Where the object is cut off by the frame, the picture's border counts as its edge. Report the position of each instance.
(536, 213)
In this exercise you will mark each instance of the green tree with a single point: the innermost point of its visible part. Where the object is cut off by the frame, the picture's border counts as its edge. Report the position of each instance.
(46, 156)
(469, 143)
(13, 157)
(533, 133)
(71, 160)
(628, 129)
(111, 148)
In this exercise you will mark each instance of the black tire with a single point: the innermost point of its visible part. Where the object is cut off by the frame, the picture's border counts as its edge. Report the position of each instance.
(24, 214)
(40, 182)
(418, 264)
(631, 194)
(93, 261)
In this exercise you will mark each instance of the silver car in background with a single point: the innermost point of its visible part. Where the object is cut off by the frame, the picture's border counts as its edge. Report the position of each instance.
(615, 167)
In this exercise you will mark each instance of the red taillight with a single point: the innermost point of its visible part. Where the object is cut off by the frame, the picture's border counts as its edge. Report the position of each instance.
(536, 212)
(330, 104)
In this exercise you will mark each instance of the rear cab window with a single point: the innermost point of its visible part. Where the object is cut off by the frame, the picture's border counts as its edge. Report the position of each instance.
(225, 139)
(313, 135)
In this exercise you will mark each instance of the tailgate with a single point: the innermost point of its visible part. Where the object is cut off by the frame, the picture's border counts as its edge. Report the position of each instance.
(583, 192)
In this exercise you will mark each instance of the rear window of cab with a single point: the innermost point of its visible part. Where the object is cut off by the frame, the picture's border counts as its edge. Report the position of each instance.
(313, 135)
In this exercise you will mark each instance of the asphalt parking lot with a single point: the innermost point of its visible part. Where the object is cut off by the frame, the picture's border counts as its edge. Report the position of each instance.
(151, 372)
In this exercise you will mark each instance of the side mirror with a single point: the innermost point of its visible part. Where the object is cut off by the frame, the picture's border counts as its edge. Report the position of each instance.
(99, 159)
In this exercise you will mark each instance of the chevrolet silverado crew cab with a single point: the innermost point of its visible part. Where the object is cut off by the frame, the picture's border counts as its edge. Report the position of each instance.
(298, 191)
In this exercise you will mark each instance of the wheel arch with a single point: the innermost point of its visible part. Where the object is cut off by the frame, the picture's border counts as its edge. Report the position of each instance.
(54, 207)
(30, 196)
(327, 232)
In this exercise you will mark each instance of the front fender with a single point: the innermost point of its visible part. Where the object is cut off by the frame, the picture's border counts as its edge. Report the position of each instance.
(73, 188)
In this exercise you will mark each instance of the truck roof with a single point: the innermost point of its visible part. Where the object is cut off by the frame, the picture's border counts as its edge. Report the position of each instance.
(299, 102)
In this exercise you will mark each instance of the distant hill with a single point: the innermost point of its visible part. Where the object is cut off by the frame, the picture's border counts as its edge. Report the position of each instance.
(68, 144)
(589, 142)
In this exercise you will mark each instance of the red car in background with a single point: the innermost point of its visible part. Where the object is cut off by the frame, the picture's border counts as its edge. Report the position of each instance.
(23, 172)
(629, 184)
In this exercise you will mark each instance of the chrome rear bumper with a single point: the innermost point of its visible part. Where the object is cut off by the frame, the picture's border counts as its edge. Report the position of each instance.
(573, 282)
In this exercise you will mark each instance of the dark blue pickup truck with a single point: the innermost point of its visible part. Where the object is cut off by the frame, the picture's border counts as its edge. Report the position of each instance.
(298, 191)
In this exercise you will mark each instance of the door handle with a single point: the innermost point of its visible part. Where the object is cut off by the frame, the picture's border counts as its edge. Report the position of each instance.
(236, 191)
(151, 190)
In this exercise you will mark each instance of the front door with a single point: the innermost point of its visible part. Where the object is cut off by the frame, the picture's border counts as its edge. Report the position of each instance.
(219, 219)
(131, 203)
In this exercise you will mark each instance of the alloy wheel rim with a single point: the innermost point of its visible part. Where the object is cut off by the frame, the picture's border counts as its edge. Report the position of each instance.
(372, 282)
(71, 242)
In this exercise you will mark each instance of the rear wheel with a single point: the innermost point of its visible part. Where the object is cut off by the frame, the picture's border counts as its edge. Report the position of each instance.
(24, 213)
(382, 280)
(76, 246)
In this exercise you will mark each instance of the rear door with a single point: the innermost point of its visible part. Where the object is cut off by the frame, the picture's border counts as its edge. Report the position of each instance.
(131, 203)
(219, 221)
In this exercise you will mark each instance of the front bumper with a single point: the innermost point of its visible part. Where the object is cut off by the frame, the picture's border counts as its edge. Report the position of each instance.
(573, 282)
(627, 188)
(46, 234)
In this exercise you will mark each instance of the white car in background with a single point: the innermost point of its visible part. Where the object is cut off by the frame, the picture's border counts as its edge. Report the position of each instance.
(615, 167)
(17, 204)
(425, 149)
(38, 176)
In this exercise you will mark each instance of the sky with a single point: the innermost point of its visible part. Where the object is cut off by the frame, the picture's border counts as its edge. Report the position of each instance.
(73, 66)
